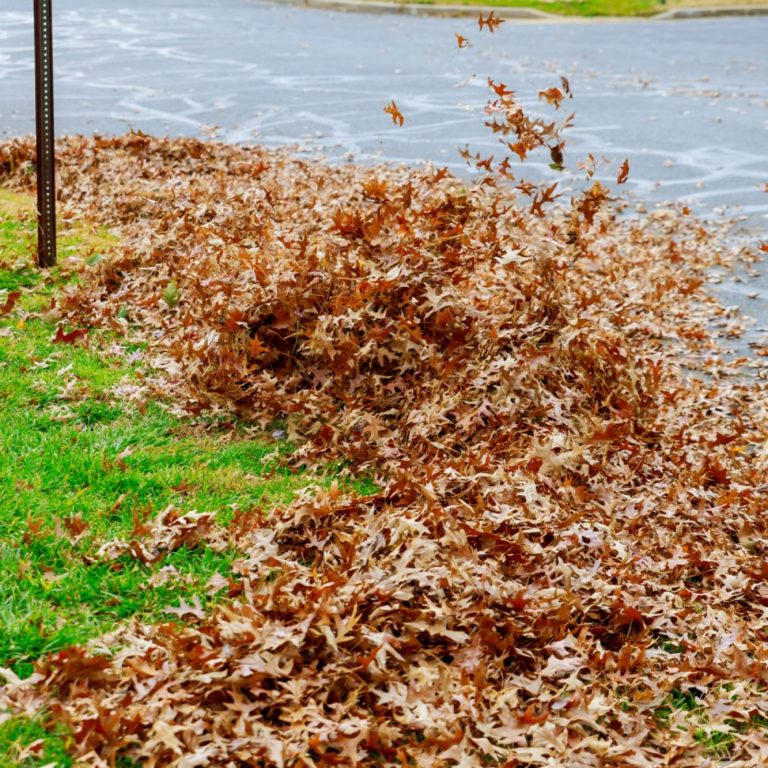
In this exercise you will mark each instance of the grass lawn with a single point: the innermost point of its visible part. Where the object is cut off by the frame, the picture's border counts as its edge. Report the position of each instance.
(79, 467)
(595, 7)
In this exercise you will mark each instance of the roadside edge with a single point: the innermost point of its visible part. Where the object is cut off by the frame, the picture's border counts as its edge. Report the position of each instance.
(523, 13)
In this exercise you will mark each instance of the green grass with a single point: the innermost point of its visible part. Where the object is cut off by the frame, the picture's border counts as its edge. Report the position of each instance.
(716, 741)
(688, 701)
(72, 451)
(30, 742)
(588, 8)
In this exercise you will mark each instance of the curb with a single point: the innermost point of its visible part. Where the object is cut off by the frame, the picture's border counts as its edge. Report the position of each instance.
(421, 9)
(530, 14)
(714, 12)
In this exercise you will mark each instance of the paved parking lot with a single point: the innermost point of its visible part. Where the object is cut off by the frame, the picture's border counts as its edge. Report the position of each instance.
(685, 101)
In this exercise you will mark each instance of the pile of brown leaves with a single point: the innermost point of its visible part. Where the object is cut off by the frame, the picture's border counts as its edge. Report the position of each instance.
(569, 529)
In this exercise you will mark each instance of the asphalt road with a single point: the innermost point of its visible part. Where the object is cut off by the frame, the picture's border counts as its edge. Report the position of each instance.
(685, 101)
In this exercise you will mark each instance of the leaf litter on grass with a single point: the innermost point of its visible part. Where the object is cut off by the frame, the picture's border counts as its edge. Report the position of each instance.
(80, 468)
(561, 503)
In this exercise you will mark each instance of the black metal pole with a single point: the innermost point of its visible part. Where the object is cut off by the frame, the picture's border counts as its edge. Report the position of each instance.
(46, 172)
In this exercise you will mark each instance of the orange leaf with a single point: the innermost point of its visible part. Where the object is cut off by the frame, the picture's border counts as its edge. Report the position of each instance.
(552, 96)
(500, 89)
(69, 338)
(493, 22)
(624, 615)
(623, 172)
(256, 348)
(10, 303)
(531, 716)
(397, 115)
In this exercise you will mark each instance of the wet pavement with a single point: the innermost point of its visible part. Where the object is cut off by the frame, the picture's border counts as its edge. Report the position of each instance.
(685, 101)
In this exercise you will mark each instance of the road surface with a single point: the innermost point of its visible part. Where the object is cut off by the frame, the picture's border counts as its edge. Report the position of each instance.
(685, 101)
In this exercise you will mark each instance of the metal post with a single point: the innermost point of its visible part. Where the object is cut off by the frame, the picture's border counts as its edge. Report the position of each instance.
(46, 172)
